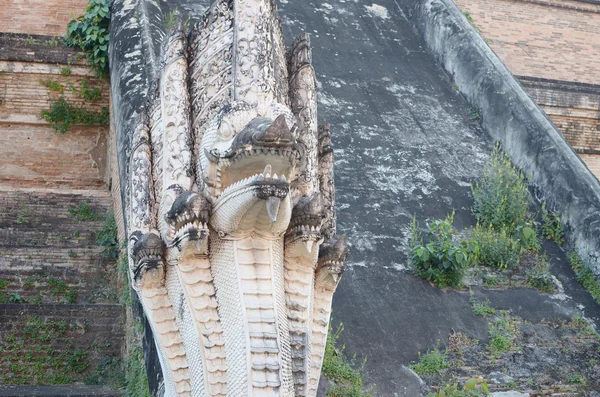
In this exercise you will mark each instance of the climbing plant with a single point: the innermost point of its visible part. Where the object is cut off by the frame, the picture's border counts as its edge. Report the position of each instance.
(63, 114)
(90, 33)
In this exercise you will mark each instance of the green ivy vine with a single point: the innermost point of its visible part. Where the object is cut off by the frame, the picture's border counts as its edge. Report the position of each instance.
(63, 114)
(90, 33)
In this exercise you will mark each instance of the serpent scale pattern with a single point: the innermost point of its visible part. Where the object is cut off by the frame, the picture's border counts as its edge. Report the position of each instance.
(225, 276)
(157, 303)
(197, 281)
(299, 290)
(323, 296)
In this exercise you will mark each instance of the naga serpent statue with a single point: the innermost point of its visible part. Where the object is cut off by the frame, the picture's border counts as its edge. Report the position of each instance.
(230, 209)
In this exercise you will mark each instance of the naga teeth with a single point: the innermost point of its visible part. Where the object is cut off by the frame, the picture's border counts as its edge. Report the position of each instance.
(267, 171)
(282, 178)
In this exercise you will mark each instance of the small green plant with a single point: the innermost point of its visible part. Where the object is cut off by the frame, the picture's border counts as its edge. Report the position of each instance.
(501, 197)
(503, 332)
(552, 226)
(109, 372)
(136, 380)
(469, 18)
(89, 93)
(439, 259)
(474, 387)
(107, 238)
(496, 248)
(123, 269)
(15, 298)
(575, 379)
(585, 275)
(527, 238)
(475, 115)
(73, 254)
(63, 114)
(491, 280)
(347, 379)
(430, 363)
(53, 42)
(482, 308)
(84, 212)
(539, 276)
(22, 214)
(31, 41)
(171, 19)
(66, 71)
(90, 33)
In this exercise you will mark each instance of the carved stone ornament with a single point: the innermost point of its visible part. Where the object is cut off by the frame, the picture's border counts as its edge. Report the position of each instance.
(230, 210)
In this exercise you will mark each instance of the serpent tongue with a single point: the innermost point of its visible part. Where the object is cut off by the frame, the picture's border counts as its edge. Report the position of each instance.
(273, 207)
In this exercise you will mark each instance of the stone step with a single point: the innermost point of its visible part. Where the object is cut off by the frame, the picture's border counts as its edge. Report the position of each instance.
(58, 391)
(44, 272)
(38, 219)
(50, 255)
(60, 343)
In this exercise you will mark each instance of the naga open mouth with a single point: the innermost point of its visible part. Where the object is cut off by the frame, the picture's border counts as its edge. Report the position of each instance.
(262, 142)
(147, 258)
(269, 187)
(187, 219)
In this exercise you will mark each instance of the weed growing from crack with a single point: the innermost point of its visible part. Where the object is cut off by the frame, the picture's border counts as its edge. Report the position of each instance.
(482, 308)
(66, 71)
(431, 363)
(62, 115)
(503, 332)
(84, 212)
(585, 275)
(552, 226)
(53, 85)
(540, 277)
(347, 379)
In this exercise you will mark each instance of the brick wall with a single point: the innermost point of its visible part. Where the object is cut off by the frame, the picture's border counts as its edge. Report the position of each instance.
(573, 107)
(31, 152)
(593, 163)
(44, 17)
(552, 47)
(550, 39)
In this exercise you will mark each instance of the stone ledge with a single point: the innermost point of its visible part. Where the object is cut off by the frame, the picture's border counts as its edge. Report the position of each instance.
(43, 68)
(58, 391)
(18, 47)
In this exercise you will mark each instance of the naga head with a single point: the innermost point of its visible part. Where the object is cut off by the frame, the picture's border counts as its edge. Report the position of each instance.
(248, 161)
(304, 231)
(146, 259)
(332, 256)
(187, 222)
